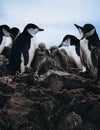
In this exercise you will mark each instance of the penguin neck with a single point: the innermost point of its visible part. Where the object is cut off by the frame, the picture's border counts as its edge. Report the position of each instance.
(76, 43)
(27, 35)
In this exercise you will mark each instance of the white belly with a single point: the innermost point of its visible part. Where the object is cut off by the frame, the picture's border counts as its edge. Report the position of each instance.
(31, 55)
(2, 45)
(73, 55)
(9, 42)
(22, 66)
(86, 53)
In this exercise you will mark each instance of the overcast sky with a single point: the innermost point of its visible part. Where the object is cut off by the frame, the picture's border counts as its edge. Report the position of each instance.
(57, 17)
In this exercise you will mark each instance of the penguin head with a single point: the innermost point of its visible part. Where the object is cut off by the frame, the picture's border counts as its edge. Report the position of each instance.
(14, 31)
(5, 30)
(42, 46)
(32, 29)
(86, 31)
(53, 50)
(66, 41)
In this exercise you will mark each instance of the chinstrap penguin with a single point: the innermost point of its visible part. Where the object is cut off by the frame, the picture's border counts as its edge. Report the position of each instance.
(4, 33)
(73, 48)
(89, 43)
(23, 49)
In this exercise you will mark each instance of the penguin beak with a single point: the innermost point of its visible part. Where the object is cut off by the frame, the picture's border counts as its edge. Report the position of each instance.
(60, 45)
(78, 27)
(40, 29)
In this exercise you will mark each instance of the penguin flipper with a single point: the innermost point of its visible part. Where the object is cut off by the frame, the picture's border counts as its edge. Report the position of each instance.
(34, 61)
(25, 53)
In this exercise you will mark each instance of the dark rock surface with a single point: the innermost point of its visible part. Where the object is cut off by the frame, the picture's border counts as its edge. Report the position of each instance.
(53, 101)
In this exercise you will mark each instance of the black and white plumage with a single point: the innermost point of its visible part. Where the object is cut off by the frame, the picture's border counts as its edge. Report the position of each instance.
(14, 33)
(4, 32)
(23, 49)
(89, 43)
(73, 48)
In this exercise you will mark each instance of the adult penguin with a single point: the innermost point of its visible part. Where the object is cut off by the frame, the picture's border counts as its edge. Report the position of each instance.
(23, 49)
(4, 32)
(89, 44)
(7, 48)
(73, 48)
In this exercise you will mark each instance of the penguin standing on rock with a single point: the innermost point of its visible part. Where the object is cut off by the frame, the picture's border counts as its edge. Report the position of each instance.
(73, 49)
(23, 49)
(4, 32)
(89, 44)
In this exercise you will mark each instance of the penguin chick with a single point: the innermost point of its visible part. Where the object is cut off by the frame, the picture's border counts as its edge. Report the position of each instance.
(23, 49)
(59, 57)
(70, 61)
(40, 57)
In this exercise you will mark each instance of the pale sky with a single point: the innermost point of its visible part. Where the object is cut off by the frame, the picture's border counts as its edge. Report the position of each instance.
(56, 17)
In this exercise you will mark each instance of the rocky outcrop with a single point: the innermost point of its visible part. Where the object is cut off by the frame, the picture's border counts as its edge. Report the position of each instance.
(53, 101)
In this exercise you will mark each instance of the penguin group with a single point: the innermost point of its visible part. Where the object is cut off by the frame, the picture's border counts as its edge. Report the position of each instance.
(82, 53)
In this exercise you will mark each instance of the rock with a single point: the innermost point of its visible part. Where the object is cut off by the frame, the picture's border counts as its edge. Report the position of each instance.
(3, 100)
(4, 121)
(72, 121)
(54, 100)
